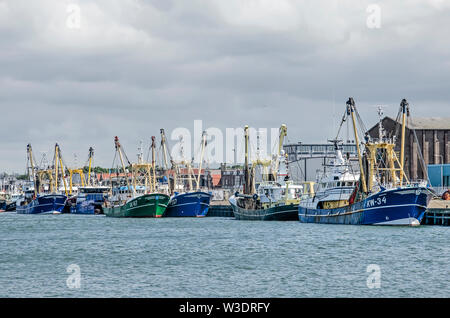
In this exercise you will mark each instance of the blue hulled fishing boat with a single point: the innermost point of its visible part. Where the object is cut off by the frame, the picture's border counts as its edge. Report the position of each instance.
(193, 204)
(43, 204)
(90, 200)
(190, 202)
(35, 202)
(380, 194)
(401, 206)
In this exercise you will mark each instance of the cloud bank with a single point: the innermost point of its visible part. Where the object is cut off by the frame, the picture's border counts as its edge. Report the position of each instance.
(133, 67)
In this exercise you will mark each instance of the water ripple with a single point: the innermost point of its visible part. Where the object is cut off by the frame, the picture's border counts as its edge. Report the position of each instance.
(217, 257)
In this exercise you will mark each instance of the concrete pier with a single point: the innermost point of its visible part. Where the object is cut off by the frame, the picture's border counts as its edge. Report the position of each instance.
(438, 213)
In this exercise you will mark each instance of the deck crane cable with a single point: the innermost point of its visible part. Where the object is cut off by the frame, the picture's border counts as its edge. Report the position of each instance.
(241, 150)
(43, 163)
(168, 151)
(36, 167)
(344, 119)
(409, 124)
(421, 159)
(251, 152)
(86, 166)
(112, 170)
(148, 157)
(363, 130)
(397, 123)
(62, 159)
(60, 162)
(125, 154)
(197, 153)
(121, 149)
(90, 164)
(167, 154)
(149, 150)
(298, 166)
(28, 163)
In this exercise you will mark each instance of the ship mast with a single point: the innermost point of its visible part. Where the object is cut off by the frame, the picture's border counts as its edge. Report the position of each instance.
(351, 105)
(246, 171)
(91, 156)
(80, 171)
(184, 162)
(201, 160)
(30, 157)
(283, 133)
(166, 163)
(403, 105)
(119, 150)
(153, 182)
(59, 158)
(56, 170)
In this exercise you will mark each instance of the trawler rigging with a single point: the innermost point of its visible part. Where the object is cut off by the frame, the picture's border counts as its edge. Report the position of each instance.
(37, 201)
(275, 197)
(383, 193)
(141, 198)
(185, 201)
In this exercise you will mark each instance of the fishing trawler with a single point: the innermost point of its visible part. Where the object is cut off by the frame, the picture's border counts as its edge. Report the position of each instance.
(36, 201)
(382, 195)
(12, 202)
(337, 182)
(191, 202)
(276, 197)
(131, 202)
(89, 198)
(2, 202)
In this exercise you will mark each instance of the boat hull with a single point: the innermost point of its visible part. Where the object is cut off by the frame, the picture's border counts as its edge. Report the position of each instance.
(405, 206)
(278, 213)
(89, 208)
(11, 207)
(145, 206)
(191, 204)
(45, 204)
(92, 204)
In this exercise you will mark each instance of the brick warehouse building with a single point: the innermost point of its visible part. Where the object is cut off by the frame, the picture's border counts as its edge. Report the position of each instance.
(433, 136)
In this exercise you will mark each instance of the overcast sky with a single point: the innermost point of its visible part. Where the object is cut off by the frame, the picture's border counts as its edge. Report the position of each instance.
(131, 67)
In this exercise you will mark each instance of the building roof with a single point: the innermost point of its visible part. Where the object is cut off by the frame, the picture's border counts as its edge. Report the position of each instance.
(216, 178)
(428, 123)
(431, 123)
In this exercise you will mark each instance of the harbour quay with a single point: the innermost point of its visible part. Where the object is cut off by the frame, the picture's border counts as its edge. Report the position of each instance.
(220, 206)
(438, 213)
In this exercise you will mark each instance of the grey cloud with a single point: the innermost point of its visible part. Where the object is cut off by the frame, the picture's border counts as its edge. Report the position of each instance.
(137, 66)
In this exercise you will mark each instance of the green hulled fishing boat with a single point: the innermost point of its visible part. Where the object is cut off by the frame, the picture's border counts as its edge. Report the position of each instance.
(276, 197)
(140, 198)
(145, 206)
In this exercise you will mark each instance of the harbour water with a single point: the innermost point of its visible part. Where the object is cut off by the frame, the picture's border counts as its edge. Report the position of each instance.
(217, 257)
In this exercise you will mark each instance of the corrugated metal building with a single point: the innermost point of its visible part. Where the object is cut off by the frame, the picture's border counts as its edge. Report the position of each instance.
(433, 139)
(439, 175)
